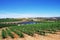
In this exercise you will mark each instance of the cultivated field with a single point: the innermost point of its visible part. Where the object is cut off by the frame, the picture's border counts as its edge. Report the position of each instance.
(39, 31)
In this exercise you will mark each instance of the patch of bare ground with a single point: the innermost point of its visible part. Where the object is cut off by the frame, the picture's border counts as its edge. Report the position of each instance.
(38, 37)
(27, 37)
(55, 36)
(0, 34)
(16, 37)
(51, 37)
(8, 38)
(58, 33)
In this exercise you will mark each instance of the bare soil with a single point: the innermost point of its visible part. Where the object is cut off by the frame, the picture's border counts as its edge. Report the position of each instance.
(0, 34)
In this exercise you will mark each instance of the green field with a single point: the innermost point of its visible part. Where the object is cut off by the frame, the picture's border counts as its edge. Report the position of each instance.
(9, 20)
(31, 29)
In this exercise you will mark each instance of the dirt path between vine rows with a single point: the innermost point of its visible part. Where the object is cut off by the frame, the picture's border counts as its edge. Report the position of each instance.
(40, 37)
(0, 34)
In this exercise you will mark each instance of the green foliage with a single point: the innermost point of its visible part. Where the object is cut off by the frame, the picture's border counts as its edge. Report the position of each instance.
(9, 20)
(39, 28)
(4, 34)
(7, 25)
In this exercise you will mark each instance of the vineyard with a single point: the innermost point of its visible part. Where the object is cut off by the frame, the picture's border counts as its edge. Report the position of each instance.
(31, 29)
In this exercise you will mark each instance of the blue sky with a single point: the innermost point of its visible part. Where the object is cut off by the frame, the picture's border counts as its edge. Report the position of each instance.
(29, 8)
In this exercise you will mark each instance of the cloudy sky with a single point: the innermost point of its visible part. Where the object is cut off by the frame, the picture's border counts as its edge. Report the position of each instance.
(29, 8)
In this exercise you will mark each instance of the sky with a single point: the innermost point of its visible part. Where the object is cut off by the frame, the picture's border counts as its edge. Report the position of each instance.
(29, 8)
